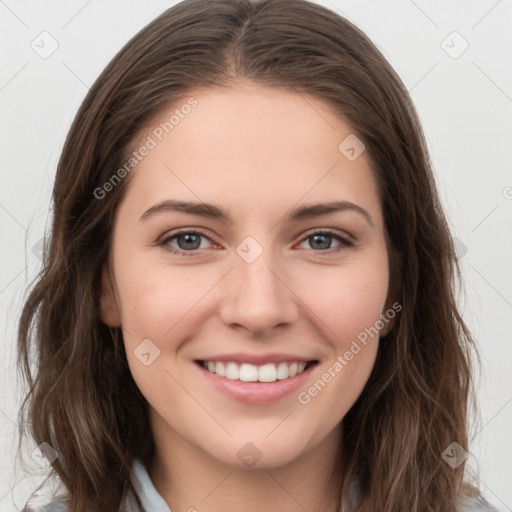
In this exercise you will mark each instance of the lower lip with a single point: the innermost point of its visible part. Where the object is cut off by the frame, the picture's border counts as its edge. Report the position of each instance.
(257, 392)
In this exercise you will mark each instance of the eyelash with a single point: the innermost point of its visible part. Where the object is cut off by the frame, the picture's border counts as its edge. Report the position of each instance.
(344, 242)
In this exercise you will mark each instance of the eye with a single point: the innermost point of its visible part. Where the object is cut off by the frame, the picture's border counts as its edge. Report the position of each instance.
(188, 241)
(322, 240)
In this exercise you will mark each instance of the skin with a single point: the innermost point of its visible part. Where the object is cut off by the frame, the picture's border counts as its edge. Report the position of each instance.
(259, 153)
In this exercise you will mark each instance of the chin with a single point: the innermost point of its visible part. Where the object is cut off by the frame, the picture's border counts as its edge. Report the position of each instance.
(257, 454)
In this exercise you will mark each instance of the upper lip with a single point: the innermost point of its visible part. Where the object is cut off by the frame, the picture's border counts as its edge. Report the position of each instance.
(257, 359)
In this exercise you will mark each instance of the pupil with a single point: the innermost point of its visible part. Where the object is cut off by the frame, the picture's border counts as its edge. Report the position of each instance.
(325, 244)
(188, 239)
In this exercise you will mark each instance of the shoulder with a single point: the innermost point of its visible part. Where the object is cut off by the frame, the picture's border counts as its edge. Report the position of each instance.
(37, 505)
(476, 504)
(468, 503)
(58, 504)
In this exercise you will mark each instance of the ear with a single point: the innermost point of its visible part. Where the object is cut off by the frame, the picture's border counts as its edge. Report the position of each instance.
(109, 309)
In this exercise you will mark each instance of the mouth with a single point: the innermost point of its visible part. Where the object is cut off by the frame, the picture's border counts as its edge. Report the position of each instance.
(247, 372)
(262, 384)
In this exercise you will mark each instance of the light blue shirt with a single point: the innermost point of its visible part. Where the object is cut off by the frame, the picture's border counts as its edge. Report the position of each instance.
(149, 497)
(151, 500)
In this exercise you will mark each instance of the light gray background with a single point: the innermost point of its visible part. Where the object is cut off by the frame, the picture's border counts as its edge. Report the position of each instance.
(465, 104)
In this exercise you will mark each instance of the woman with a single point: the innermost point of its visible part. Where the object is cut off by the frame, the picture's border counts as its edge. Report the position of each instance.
(247, 299)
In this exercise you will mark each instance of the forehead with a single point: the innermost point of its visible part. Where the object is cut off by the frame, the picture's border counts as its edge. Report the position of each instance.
(250, 145)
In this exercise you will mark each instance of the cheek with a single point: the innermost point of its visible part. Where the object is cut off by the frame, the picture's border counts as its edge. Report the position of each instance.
(157, 305)
(156, 299)
(347, 301)
(350, 315)
(350, 307)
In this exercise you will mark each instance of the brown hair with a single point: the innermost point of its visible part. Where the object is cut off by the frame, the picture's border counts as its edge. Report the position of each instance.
(82, 399)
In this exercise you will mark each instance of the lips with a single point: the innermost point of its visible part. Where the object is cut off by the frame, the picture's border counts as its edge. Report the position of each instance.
(255, 392)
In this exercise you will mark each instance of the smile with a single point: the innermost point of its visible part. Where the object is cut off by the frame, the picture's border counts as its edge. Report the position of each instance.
(247, 372)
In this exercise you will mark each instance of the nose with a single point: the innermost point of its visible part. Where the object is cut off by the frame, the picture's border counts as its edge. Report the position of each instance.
(258, 297)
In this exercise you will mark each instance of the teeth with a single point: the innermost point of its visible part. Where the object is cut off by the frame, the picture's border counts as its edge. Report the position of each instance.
(251, 373)
(282, 371)
(219, 369)
(232, 371)
(267, 373)
(248, 373)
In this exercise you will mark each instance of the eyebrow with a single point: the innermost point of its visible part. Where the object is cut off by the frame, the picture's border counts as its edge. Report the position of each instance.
(212, 211)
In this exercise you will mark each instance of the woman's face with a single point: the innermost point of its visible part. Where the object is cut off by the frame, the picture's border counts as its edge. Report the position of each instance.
(261, 292)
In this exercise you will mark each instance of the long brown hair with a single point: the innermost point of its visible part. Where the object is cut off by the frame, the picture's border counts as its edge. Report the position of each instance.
(82, 399)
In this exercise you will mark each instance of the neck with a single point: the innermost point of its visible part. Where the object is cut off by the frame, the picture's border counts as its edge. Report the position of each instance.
(190, 480)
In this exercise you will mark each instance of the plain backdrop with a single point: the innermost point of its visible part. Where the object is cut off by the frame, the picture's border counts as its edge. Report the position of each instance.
(454, 57)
